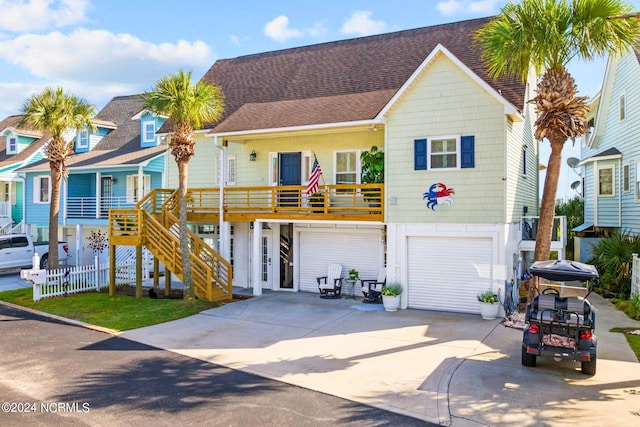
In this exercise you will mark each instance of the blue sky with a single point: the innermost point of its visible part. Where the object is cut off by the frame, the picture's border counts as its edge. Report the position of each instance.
(103, 48)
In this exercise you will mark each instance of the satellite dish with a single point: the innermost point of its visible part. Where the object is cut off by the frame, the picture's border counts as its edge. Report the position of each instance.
(575, 184)
(573, 162)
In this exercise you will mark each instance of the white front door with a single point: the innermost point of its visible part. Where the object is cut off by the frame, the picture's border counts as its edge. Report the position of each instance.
(266, 260)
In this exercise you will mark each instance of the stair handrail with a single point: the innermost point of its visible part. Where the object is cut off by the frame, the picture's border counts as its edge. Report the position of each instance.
(204, 271)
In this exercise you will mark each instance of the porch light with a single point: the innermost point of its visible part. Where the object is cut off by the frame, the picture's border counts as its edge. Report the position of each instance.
(252, 156)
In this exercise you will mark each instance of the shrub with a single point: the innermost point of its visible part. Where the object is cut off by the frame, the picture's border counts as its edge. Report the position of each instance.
(612, 258)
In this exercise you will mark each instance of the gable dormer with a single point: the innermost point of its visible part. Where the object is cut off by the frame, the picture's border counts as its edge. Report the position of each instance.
(149, 125)
(17, 140)
(85, 139)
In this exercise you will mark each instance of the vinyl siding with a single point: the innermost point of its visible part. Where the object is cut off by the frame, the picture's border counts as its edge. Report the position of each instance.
(203, 164)
(36, 213)
(446, 101)
(522, 190)
(624, 210)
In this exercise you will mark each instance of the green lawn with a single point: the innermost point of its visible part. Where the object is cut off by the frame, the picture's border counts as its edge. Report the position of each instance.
(118, 312)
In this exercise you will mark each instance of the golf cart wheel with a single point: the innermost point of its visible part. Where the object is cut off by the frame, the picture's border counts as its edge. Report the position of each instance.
(529, 359)
(589, 368)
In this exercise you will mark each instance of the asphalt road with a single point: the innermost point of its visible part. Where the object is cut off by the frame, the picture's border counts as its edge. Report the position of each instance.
(55, 374)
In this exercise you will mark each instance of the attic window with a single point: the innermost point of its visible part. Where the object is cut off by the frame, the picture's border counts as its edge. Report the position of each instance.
(149, 131)
(83, 139)
(12, 145)
(622, 108)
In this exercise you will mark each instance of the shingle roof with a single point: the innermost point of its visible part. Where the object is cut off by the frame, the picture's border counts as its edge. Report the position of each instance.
(120, 146)
(349, 79)
(11, 159)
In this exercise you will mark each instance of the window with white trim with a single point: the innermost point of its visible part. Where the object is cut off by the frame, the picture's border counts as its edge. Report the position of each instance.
(605, 181)
(82, 139)
(625, 177)
(149, 131)
(623, 108)
(231, 170)
(443, 152)
(42, 189)
(347, 167)
(133, 195)
(524, 160)
(12, 145)
(637, 184)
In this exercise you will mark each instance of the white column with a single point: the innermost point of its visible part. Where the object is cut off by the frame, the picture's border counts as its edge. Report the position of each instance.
(79, 245)
(140, 183)
(256, 261)
(98, 193)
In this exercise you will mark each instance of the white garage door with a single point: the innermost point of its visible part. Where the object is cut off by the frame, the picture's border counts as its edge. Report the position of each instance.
(359, 249)
(448, 273)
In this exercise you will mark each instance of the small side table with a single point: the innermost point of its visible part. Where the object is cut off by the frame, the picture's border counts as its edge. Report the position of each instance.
(351, 288)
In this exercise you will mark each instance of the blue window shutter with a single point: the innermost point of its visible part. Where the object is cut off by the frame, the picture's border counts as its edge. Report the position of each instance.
(467, 152)
(420, 154)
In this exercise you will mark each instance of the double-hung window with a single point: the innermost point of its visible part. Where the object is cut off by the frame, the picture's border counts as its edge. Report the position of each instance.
(444, 152)
(82, 140)
(12, 145)
(346, 167)
(149, 132)
(42, 189)
(605, 181)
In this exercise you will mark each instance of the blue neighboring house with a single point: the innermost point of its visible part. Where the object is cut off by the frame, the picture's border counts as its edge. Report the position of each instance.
(610, 165)
(19, 147)
(111, 168)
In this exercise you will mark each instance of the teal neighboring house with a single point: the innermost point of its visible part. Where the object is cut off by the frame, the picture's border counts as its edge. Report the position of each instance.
(610, 165)
(111, 168)
(19, 147)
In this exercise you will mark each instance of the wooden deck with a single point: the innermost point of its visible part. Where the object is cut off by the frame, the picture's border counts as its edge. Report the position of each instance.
(153, 223)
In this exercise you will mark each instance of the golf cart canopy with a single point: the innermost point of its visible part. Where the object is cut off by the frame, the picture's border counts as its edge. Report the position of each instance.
(564, 270)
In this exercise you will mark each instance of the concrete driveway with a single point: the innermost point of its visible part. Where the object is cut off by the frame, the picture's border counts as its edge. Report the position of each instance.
(449, 369)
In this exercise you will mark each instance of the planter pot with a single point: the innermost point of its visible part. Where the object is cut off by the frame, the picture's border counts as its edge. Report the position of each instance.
(390, 302)
(489, 311)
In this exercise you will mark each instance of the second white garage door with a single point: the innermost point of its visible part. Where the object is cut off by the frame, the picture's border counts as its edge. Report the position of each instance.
(359, 249)
(446, 273)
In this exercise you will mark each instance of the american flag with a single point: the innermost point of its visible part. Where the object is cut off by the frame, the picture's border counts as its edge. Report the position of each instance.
(316, 171)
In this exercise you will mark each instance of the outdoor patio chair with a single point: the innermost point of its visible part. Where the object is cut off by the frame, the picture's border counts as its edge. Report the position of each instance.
(330, 286)
(372, 289)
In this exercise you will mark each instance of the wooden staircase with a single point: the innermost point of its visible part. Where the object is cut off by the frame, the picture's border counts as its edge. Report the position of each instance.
(151, 225)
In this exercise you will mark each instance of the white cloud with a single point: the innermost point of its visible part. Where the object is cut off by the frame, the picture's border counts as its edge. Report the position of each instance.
(34, 15)
(278, 29)
(101, 56)
(469, 7)
(361, 23)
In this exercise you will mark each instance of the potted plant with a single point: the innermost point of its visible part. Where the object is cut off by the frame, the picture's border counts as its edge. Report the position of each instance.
(316, 200)
(391, 296)
(489, 305)
(354, 274)
(372, 173)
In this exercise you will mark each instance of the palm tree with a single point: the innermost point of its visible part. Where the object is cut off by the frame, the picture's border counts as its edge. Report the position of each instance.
(55, 112)
(545, 35)
(188, 107)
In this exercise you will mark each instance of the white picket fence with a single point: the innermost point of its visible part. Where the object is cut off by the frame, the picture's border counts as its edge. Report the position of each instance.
(71, 280)
(635, 275)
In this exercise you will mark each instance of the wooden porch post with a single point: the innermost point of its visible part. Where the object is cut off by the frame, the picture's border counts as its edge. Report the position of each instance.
(167, 282)
(112, 270)
(138, 271)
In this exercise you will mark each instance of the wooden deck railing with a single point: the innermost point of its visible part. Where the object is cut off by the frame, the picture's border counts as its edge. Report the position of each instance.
(362, 202)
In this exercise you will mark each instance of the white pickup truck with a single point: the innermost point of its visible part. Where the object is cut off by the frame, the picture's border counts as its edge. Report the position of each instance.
(16, 251)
